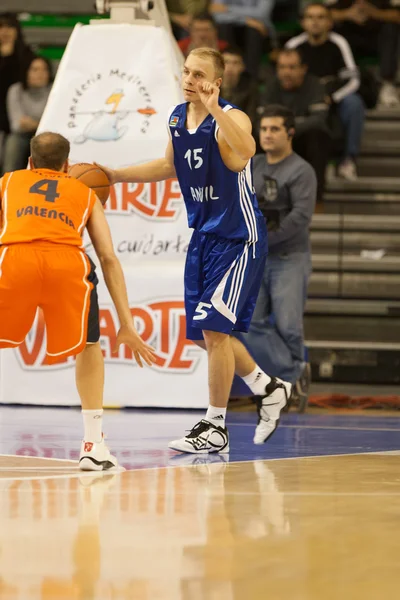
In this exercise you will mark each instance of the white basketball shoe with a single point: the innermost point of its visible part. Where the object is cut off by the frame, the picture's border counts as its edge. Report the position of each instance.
(95, 456)
(269, 408)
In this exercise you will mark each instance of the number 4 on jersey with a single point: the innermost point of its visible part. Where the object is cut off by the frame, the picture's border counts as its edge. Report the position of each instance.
(46, 187)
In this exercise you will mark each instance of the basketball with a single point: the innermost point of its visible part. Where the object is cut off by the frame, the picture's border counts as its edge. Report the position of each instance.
(93, 177)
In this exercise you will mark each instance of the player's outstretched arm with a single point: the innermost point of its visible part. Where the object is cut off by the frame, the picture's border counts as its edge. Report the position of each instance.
(155, 170)
(100, 236)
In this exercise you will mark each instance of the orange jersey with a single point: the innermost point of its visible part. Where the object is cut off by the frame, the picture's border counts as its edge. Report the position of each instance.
(44, 205)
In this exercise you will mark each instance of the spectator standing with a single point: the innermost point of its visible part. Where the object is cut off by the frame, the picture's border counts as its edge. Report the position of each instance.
(245, 23)
(329, 57)
(14, 56)
(285, 186)
(302, 93)
(238, 87)
(372, 27)
(181, 13)
(26, 102)
(203, 34)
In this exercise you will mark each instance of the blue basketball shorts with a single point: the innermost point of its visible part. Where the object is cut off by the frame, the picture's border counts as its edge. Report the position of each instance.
(222, 281)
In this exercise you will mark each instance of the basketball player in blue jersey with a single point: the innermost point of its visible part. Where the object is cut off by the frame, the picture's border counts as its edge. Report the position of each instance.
(210, 151)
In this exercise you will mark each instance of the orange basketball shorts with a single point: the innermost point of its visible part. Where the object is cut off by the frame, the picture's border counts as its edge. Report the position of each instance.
(54, 278)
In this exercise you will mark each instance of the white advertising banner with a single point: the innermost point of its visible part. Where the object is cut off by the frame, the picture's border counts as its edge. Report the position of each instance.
(111, 97)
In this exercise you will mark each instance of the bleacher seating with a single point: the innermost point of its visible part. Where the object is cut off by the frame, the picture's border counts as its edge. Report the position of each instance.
(353, 314)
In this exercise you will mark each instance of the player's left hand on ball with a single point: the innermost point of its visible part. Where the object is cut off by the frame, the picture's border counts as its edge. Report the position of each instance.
(208, 93)
(129, 336)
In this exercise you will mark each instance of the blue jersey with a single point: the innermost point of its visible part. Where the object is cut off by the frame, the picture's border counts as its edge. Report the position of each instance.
(218, 200)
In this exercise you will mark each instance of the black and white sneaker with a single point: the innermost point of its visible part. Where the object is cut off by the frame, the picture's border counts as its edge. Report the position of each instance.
(204, 438)
(269, 408)
(95, 456)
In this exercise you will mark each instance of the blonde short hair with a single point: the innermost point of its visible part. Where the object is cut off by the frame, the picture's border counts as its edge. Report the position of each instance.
(214, 55)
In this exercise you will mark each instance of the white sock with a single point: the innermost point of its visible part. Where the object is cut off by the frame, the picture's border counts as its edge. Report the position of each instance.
(216, 416)
(93, 425)
(257, 381)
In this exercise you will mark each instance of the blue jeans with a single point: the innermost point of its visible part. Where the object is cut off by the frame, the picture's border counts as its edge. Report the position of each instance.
(352, 115)
(276, 336)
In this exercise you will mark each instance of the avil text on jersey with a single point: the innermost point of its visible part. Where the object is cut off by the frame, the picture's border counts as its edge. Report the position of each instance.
(203, 194)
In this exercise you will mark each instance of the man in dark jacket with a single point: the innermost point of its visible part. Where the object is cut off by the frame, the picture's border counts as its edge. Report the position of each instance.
(238, 87)
(302, 92)
(329, 57)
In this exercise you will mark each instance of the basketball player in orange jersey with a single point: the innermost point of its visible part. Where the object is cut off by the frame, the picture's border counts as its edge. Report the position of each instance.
(43, 264)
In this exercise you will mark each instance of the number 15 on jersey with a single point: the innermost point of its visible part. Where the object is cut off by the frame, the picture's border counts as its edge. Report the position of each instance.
(195, 154)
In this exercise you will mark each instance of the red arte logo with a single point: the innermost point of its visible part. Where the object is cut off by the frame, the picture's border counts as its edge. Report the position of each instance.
(104, 105)
(161, 201)
(160, 322)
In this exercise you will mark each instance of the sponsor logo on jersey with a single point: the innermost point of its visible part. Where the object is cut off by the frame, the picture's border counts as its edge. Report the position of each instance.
(173, 122)
(203, 194)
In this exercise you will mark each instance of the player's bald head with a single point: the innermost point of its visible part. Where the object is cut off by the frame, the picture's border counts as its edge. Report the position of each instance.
(49, 151)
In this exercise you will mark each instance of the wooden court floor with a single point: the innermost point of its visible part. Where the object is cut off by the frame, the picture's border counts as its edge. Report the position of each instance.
(299, 529)
(316, 528)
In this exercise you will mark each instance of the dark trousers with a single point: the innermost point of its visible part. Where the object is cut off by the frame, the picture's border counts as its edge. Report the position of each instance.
(382, 39)
(247, 38)
(314, 145)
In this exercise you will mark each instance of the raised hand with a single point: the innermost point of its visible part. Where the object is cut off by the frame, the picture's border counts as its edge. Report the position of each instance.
(208, 94)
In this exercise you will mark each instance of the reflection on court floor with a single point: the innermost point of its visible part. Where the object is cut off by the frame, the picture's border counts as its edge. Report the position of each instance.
(310, 528)
(140, 437)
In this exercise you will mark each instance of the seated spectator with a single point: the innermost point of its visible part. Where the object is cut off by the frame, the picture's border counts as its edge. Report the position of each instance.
(26, 102)
(203, 34)
(329, 57)
(238, 87)
(245, 23)
(285, 186)
(372, 28)
(14, 56)
(181, 13)
(302, 92)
